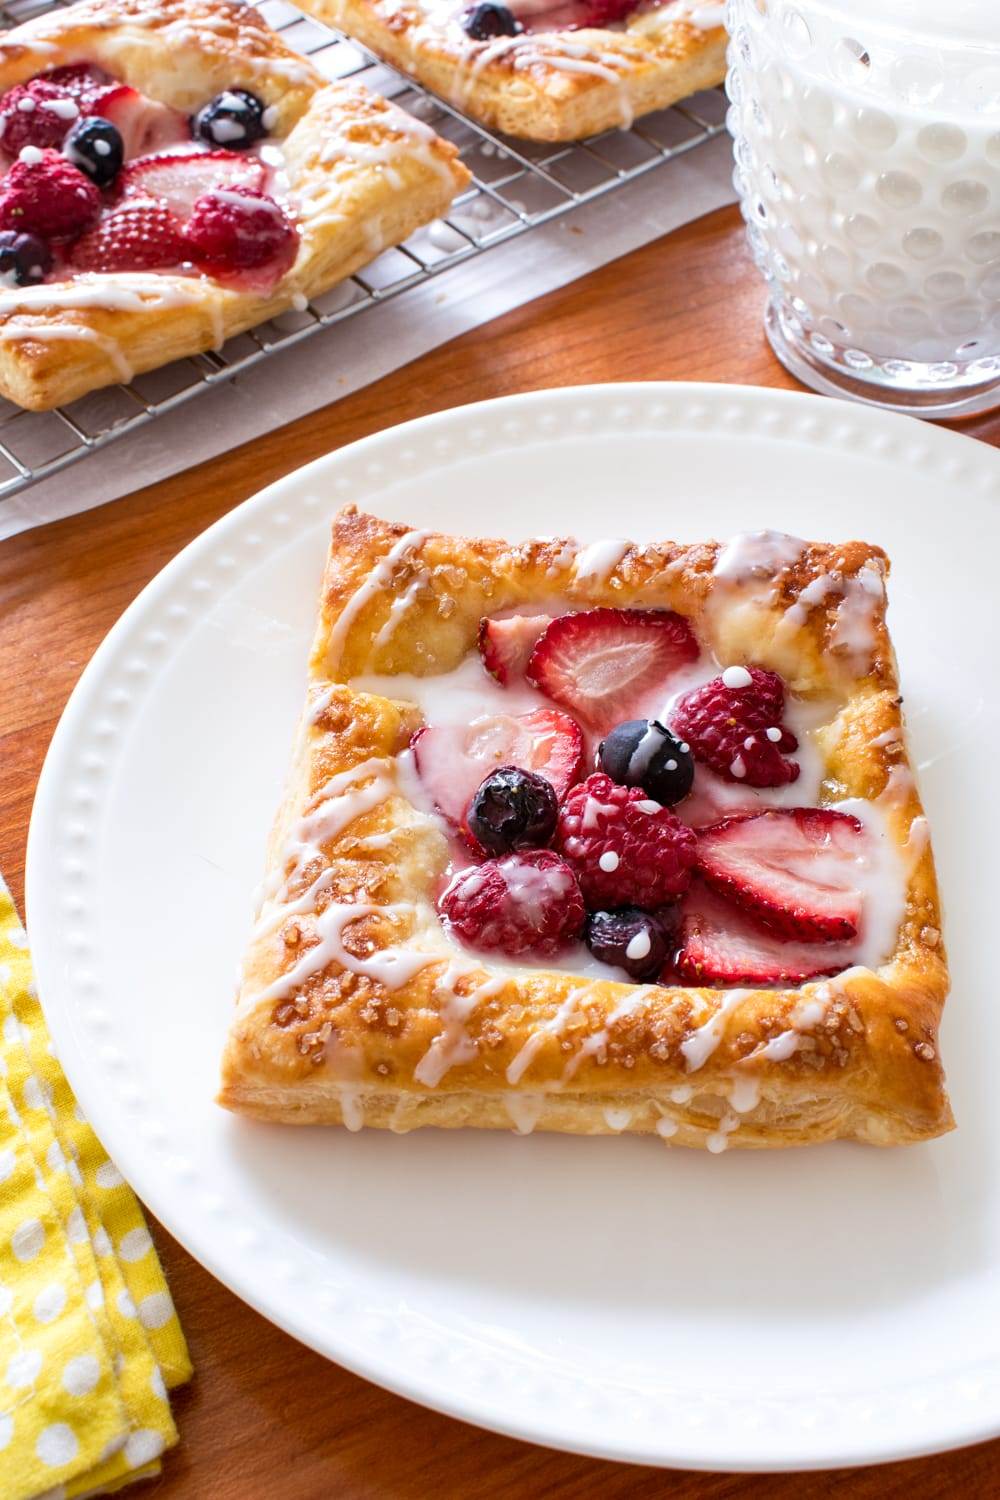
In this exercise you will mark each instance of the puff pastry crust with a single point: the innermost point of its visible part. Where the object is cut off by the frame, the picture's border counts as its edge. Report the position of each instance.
(544, 86)
(363, 174)
(354, 1006)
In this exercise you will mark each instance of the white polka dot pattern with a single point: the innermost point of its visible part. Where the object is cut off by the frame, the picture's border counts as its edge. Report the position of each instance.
(27, 1240)
(50, 1302)
(23, 1369)
(142, 1446)
(74, 1416)
(81, 1374)
(57, 1444)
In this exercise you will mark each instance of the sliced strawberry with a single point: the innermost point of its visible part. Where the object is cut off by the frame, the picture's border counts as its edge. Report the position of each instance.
(719, 945)
(139, 235)
(794, 869)
(602, 662)
(505, 645)
(179, 179)
(144, 125)
(454, 759)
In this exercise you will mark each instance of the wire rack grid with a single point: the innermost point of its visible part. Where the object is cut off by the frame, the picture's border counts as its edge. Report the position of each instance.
(516, 186)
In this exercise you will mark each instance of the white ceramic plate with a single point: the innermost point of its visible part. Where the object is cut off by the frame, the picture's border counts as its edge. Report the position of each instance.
(808, 1308)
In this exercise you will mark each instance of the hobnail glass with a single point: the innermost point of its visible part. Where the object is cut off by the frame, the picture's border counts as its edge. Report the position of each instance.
(868, 167)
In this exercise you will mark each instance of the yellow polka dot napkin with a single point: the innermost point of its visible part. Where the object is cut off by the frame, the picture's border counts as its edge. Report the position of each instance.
(89, 1339)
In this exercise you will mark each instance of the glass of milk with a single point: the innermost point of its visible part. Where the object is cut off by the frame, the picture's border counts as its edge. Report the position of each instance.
(867, 142)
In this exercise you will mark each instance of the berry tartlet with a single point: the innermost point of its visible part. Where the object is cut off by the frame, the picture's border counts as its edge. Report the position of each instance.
(172, 174)
(599, 838)
(547, 70)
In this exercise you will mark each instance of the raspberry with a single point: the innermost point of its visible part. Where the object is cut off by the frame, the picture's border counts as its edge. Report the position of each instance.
(81, 81)
(137, 236)
(35, 114)
(240, 229)
(733, 724)
(624, 849)
(47, 195)
(523, 903)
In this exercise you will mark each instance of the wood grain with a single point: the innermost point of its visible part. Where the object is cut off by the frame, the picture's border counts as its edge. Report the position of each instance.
(265, 1417)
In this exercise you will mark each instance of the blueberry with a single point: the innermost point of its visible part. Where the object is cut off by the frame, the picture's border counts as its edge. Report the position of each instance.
(640, 942)
(24, 256)
(513, 809)
(487, 20)
(96, 147)
(233, 120)
(641, 752)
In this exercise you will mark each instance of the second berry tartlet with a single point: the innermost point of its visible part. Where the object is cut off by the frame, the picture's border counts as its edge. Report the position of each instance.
(172, 174)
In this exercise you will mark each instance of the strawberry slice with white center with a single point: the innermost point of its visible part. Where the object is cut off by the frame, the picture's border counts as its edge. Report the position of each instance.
(719, 945)
(453, 760)
(602, 663)
(505, 645)
(144, 124)
(796, 870)
(179, 180)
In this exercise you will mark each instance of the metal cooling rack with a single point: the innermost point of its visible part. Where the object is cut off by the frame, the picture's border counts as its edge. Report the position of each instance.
(516, 186)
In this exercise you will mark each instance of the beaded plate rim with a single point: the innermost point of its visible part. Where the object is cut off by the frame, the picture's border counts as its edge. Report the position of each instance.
(590, 1413)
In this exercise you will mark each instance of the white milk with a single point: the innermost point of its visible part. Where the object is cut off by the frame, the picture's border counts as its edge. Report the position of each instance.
(868, 160)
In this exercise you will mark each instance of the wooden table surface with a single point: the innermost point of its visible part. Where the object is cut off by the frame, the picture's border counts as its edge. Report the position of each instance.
(263, 1416)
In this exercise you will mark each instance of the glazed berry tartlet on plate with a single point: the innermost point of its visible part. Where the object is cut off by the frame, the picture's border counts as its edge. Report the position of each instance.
(547, 70)
(172, 174)
(599, 838)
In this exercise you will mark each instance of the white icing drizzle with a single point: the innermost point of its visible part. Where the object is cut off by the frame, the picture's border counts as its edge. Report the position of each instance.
(398, 608)
(524, 1111)
(351, 1105)
(702, 1042)
(600, 559)
(15, 330)
(555, 1026)
(301, 905)
(131, 291)
(379, 579)
(917, 841)
(719, 1140)
(861, 596)
(560, 51)
(339, 802)
(322, 702)
(598, 1043)
(617, 1119)
(704, 14)
(854, 628)
(744, 1095)
(809, 1013)
(755, 556)
(389, 967)
(666, 1127)
(454, 1045)
(411, 140)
